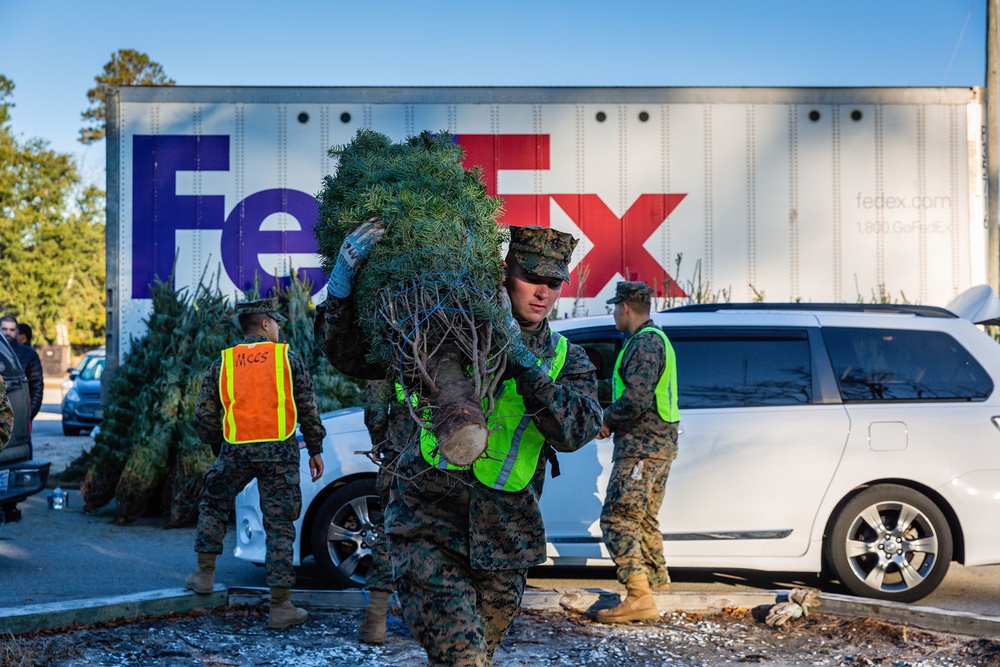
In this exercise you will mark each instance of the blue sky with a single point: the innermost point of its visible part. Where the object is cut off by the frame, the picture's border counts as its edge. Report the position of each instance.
(52, 49)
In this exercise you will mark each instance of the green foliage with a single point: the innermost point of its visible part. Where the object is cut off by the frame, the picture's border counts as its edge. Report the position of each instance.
(879, 294)
(127, 67)
(6, 92)
(333, 389)
(441, 230)
(695, 289)
(52, 255)
(147, 454)
(139, 446)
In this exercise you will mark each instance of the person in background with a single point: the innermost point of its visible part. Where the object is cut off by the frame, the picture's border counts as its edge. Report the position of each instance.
(250, 401)
(643, 417)
(30, 363)
(379, 583)
(24, 333)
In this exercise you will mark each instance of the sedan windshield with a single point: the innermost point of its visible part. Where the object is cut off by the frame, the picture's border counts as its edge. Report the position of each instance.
(93, 369)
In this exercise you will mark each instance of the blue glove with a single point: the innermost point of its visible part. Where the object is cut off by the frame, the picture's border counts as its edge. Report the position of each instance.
(353, 252)
(517, 352)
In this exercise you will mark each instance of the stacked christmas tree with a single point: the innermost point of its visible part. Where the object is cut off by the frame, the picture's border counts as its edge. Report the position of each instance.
(428, 296)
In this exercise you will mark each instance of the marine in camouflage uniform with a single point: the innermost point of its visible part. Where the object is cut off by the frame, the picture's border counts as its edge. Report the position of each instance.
(461, 550)
(379, 582)
(376, 420)
(6, 416)
(275, 465)
(645, 446)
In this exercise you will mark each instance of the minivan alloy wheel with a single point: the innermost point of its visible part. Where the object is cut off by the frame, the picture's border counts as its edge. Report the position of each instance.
(345, 529)
(890, 542)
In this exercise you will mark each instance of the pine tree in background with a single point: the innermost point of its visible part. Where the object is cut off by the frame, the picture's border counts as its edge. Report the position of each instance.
(51, 239)
(127, 67)
(333, 390)
(130, 442)
(147, 454)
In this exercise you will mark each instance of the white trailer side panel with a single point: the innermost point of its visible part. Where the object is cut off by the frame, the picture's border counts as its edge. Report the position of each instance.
(780, 194)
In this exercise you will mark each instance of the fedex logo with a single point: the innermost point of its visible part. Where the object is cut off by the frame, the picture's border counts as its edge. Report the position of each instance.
(617, 241)
(158, 213)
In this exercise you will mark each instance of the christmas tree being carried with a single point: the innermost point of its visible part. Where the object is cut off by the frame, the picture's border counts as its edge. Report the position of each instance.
(428, 297)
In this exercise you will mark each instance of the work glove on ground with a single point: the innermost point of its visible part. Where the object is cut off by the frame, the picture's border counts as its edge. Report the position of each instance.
(353, 252)
(800, 600)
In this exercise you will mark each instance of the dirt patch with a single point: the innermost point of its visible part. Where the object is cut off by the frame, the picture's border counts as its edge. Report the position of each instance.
(236, 636)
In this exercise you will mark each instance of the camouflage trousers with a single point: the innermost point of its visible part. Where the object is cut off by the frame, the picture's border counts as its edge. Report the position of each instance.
(280, 503)
(629, 520)
(459, 614)
(380, 573)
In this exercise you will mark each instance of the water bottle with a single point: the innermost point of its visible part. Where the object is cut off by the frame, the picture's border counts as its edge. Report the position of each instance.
(58, 499)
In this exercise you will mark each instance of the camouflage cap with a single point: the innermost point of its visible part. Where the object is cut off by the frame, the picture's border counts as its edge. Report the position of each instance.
(631, 291)
(543, 251)
(266, 306)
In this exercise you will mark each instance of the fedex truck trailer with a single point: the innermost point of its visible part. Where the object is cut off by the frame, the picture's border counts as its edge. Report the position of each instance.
(812, 194)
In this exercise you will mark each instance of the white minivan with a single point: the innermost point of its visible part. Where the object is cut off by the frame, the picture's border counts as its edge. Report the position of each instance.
(857, 440)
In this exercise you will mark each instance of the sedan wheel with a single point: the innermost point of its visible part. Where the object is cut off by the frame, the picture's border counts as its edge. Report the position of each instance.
(891, 543)
(346, 527)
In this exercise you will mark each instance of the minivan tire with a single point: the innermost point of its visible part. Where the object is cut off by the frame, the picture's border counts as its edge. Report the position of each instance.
(904, 557)
(345, 529)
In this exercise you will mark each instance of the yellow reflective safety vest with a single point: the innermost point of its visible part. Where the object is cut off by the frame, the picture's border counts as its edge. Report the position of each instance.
(666, 386)
(515, 443)
(255, 385)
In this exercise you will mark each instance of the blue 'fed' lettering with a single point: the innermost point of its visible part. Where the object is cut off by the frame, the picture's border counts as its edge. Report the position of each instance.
(158, 212)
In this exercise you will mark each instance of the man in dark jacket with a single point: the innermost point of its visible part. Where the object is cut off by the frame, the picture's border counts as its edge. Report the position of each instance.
(30, 362)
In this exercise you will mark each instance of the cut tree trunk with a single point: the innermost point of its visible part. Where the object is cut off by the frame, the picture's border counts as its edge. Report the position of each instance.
(457, 421)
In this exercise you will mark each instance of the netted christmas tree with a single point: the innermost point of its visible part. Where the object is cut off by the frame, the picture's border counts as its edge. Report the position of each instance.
(147, 454)
(428, 296)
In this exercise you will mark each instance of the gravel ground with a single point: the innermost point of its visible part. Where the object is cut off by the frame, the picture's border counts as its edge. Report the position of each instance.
(236, 636)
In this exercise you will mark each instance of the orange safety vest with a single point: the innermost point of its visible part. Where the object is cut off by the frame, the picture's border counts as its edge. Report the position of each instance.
(255, 384)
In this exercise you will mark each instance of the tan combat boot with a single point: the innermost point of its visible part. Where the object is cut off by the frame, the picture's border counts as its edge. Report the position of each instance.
(283, 613)
(639, 605)
(202, 580)
(372, 630)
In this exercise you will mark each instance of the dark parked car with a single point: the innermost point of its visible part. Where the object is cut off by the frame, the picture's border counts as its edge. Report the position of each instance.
(20, 476)
(81, 406)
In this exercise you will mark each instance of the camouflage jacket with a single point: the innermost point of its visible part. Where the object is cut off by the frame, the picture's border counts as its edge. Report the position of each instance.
(6, 416)
(376, 415)
(208, 417)
(385, 419)
(505, 529)
(633, 418)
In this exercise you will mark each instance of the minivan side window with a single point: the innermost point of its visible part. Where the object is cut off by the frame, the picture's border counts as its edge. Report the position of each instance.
(601, 345)
(904, 365)
(742, 369)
